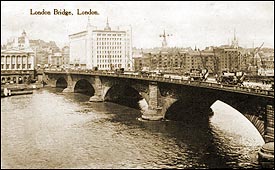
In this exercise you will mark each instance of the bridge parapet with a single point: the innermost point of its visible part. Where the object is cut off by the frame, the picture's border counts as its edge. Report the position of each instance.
(224, 87)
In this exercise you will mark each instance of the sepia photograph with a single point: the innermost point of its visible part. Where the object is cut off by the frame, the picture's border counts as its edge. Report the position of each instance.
(137, 85)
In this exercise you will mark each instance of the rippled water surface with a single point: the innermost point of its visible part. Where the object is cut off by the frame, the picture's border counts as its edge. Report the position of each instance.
(50, 129)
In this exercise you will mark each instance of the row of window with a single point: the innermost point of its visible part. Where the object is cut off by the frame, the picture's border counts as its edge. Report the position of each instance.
(106, 56)
(109, 61)
(104, 39)
(108, 43)
(13, 66)
(12, 59)
(2, 57)
(118, 47)
(109, 52)
(14, 79)
(109, 34)
(109, 65)
(18, 62)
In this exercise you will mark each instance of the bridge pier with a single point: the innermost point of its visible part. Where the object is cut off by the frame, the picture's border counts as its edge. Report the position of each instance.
(98, 96)
(266, 153)
(70, 85)
(269, 135)
(68, 90)
(154, 111)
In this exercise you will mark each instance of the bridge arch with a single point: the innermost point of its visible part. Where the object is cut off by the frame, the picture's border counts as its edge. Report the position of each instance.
(232, 118)
(61, 83)
(85, 87)
(125, 94)
(187, 112)
(3, 80)
(198, 112)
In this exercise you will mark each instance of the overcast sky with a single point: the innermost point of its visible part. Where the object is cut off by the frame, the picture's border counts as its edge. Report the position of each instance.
(191, 23)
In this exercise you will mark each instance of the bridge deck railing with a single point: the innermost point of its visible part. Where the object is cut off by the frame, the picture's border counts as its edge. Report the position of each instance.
(204, 84)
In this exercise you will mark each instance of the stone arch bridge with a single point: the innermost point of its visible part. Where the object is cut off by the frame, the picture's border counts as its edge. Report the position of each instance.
(165, 94)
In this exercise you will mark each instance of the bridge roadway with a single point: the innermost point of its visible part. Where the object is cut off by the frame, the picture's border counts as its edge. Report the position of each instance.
(203, 84)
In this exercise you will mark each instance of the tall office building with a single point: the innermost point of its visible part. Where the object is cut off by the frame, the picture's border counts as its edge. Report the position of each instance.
(105, 49)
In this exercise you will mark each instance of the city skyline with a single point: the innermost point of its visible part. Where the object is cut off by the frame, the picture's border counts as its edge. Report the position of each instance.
(199, 24)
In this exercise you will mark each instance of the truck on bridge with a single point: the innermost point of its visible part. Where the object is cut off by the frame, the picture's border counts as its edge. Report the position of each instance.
(198, 74)
(233, 78)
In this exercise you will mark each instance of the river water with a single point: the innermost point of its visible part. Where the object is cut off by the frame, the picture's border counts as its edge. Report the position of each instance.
(50, 129)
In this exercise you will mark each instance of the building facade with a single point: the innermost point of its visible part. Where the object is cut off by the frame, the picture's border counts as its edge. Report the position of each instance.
(17, 61)
(180, 61)
(17, 66)
(43, 50)
(105, 49)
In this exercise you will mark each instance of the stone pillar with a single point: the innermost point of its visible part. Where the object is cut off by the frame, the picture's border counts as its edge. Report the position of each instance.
(98, 96)
(266, 153)
(15, 62)
(22, 62)
(17, 81)
(269, 132)
(154, 105)
(10, 62)
(27, 61)
(70, 85)
(5, 62)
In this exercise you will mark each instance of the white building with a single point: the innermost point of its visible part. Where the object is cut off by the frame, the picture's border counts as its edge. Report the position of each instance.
(18, 55)
(105, 49)
(17, 61)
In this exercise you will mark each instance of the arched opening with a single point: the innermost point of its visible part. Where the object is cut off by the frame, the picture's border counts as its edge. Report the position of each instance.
(20, 81)
(61, 83)
(25, 79)
(189, 112)
(84, 86)
(3, 80)
(14, 79)
(8, 79)
(124, 95)
(232, 121)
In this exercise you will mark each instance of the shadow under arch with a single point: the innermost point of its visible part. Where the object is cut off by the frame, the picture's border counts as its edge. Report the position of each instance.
(125, 95)
(189, 112)
(84, 86)
(61, 83)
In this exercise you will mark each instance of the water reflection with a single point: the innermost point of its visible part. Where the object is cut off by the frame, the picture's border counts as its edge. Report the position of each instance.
(50, 129)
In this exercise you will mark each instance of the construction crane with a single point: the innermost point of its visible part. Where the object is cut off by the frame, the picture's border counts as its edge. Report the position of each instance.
(260, 55)
(256, 51)
(164, 42)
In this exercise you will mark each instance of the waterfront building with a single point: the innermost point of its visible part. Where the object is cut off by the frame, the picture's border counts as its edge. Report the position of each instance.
(197, 59)
(229, 59)
(17, 61)
(175, 60)
(105, 49)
